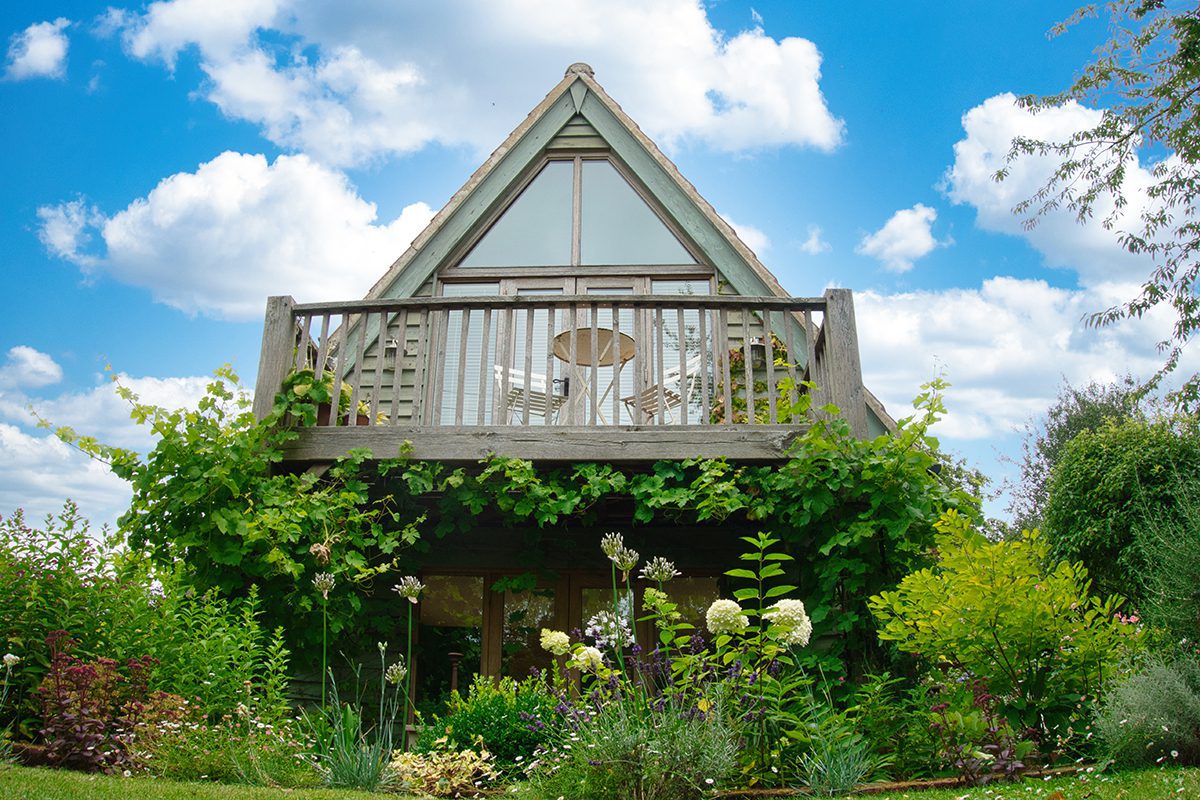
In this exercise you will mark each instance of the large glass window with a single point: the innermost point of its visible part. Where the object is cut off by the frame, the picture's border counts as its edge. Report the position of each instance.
(450, 642)
(578, 212)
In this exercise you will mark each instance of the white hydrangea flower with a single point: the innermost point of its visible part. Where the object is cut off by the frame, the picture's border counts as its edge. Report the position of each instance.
(555, 642)
(791, 616)
(587, 659)
(725, 616)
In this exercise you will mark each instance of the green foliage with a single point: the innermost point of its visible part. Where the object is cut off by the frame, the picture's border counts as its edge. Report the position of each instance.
(1169, 540)
(1104, 482)
(210, 500)
(1005, 613)
(837, 756)
(243, 748)
(895, 719)
(1153, 713)
(618, 752)
(1144, 80)
(1074, 411)
(507, 718)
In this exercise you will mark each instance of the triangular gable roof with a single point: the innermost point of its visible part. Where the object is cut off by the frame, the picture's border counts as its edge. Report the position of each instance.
(577, 95)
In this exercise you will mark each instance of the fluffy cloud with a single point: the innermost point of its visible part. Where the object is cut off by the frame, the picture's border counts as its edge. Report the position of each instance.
(39, 51)
(814, 245)
(220, 239)
(29, 367)
(904, 238)
(1088, 249)
(346, 84)
(1005, 346)
(38, 472)
(752, 237)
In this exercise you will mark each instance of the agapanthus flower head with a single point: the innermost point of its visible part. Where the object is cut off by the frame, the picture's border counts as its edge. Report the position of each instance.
(660, 570)
(555, 642)
(725, 616)
(324, 582)
(625, 559)
(11, 660)
(611, 543)
(609, 629)
(321, 552)
(587, 659)
(396, 673)
(382, 647)
(409, 588)
(792, 619)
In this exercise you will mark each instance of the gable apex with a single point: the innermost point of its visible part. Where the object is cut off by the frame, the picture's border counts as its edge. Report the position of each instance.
(577, 115)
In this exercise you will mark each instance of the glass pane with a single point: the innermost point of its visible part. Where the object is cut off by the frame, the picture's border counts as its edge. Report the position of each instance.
(535, 231)
(619, 355)
(618, 226)
(471, 386)
(525, 614)
(451, 622)
(693, 596)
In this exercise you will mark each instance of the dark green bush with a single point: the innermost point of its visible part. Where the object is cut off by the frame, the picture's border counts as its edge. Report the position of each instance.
(1104, 483)
(511, 718)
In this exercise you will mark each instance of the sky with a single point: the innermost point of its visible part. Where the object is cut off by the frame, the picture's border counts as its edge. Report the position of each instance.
(167, 166)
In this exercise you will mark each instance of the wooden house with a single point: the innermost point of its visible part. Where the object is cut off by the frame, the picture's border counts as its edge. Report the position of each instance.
(576, 300)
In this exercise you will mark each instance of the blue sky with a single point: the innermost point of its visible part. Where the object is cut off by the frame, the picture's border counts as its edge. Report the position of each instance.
(167, 166)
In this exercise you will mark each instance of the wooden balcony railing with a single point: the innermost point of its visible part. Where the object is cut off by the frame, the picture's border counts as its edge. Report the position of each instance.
(562, 363)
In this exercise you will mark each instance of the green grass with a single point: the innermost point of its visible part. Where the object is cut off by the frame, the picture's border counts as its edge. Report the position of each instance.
(23, 783)
(1148, 784)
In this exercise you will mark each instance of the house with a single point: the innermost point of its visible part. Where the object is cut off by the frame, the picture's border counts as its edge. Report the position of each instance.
(576, 300)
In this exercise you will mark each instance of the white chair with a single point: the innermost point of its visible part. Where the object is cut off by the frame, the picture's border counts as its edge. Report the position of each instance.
(677, 387)
(521, 389)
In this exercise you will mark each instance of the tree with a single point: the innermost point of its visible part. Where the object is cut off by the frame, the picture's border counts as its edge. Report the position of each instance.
(1146, 78)
(1074, 411)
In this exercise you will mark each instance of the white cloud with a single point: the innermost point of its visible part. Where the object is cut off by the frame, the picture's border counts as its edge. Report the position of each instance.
(28, 367)
(904, 238)
(38, 471)
(380, 78)
(752, 237)
(39, 51)
(1005, 347)
(221, 239)
(1088, 249)
(814, 245)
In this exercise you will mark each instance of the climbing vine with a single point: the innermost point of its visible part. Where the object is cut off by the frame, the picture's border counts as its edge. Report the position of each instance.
(212, 501)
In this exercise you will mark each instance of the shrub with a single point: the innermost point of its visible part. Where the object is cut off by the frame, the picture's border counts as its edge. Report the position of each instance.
(1170, 543)
(443, 774)
(626, 749)
(1104, 483)
(507, 718)
(977, 742)
(896, 721)
(1003, 613)
(1153, 713)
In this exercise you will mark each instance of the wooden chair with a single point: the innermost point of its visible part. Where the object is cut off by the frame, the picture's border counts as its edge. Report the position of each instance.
(678, 387)
(520, 386)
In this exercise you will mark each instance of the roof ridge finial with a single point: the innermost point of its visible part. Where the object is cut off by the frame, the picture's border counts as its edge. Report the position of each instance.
(580, 68)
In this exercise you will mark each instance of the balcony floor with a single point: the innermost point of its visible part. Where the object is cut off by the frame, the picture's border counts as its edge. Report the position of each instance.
(550, 443)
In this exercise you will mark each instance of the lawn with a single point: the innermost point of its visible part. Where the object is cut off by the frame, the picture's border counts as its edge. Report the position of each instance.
(21, 783)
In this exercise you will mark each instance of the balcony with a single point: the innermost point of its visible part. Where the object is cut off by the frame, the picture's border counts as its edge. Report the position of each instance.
(566, 377)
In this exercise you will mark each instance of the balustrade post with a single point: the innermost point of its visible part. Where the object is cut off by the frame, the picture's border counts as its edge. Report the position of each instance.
(843, 366)
(277, 354)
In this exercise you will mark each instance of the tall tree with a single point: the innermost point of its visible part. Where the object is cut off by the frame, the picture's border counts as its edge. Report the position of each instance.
(1146, 79)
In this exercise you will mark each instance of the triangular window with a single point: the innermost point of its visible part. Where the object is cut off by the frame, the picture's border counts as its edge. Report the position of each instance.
(578, 212)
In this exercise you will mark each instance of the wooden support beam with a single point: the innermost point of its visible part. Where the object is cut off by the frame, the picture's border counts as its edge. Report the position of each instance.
(843, 366)
(275, 358)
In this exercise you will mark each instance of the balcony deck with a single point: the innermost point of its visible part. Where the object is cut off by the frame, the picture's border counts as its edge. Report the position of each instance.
(621, 378)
